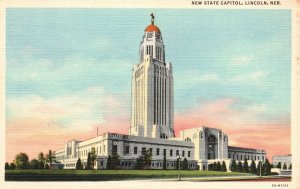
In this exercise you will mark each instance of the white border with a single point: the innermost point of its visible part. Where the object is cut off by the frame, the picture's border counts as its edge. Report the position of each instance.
(293, 5)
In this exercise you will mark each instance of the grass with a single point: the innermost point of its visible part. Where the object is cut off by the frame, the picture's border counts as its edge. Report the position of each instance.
(106, 175)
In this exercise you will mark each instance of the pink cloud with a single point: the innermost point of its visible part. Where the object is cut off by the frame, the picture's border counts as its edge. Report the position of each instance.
(36, 124)
(35, 134)
(243, 127)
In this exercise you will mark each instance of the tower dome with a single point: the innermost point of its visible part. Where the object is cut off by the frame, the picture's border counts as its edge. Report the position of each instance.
(152, 27)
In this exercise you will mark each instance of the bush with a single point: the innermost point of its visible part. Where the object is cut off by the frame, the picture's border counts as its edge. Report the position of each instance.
(21, 160)
(253, 167)
(279, 165)
(12, 166)
(246, 167)
(79, 164)
(34, 164)
(7, 166)
(233, 166)
(47, 166)
(240, 167)
(223, 168)
(185, 164)
(284, 167)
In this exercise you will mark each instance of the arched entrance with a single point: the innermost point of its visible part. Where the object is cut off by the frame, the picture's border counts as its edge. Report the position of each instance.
(212, 147)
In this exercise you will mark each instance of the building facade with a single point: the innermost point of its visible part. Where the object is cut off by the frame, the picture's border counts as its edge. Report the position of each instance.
(152, 124)
(282, 159)
(152, 89)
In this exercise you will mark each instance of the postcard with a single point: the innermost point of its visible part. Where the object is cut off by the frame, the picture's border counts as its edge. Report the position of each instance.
(194, 94)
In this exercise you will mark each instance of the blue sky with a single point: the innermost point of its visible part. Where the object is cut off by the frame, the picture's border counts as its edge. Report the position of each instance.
(241, 54)
(68, 71)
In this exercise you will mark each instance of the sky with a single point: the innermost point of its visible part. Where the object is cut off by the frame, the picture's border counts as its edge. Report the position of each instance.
(68, 71)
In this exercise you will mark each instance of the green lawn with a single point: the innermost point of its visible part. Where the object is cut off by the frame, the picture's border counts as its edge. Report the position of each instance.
(104, 175)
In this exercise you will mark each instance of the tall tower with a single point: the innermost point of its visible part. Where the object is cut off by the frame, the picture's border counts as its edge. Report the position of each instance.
(152, 89)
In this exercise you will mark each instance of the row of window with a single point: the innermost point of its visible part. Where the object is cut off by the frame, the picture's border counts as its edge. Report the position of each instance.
(160, 101)
(149, 50)
(70, 165)
(84, 153)
(159, 54)
(157, 152)
(242, 157)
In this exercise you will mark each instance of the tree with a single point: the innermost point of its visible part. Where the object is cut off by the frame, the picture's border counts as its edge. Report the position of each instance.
(140, 164)
(89, 162)
(143, 161)
(34, 164)
(233, 166)
(12, 166)
(185, 164)
(78, 164)
(284, 167)
(290, 167)
(147, 158)
(240, 167)
(47, 166)
(115, 160)
(267, 167)
(258, 168)
(42, 160)
(218, 166)
(246, 166)
(253, 167)
(21, 161)
(50, 158)
(178, 161)
(165, 162)
(7, 166)
(93, 157)
(108, 164)
(279, 165)
(214, 167)
(223, 167)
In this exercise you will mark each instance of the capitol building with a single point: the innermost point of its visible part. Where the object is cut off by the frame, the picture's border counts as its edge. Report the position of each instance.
(152, 124)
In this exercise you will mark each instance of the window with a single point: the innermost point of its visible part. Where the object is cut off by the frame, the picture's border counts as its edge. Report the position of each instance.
(157, 151)
(189, 153)
(165, 152)
(143, 150)
(135, 150)
(127, 150)
(171, 152)
(177, 152)
(150, 149)
(115, 149)
(101, 163)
